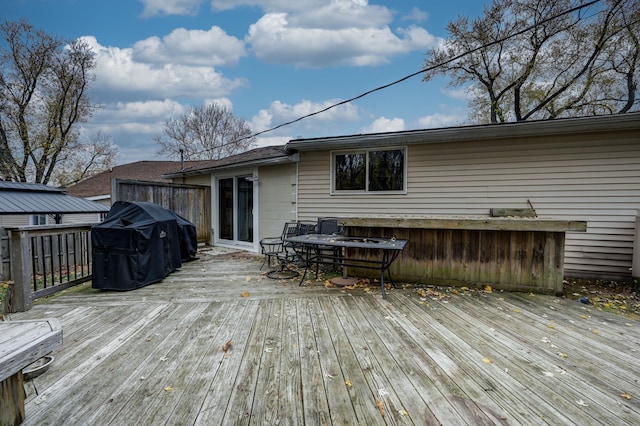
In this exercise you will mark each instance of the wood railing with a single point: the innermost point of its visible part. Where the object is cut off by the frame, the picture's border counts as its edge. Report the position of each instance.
(47, 259)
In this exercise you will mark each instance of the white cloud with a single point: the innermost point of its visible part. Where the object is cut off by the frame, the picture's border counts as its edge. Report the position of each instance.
(383, 124)
(440, 120)
(170, 7)
(464, 93)
(280, 112)
(274, 39)
(120, 77)
(140, 118)
(416, 15)
(269, 141)
(193, 47)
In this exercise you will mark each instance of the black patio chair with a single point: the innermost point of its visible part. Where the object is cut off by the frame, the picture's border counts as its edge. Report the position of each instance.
(329, 226)
(284, 251)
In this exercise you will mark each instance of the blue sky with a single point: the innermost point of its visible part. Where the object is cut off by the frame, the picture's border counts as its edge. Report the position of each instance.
(270, 61)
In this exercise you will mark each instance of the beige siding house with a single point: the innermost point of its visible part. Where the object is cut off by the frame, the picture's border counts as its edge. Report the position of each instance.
(582, 169)
(252, 194)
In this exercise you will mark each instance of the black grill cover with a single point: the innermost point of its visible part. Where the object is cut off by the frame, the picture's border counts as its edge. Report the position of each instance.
(138, 244)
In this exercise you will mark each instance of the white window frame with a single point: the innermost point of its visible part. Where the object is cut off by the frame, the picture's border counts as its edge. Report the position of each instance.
(36, 219)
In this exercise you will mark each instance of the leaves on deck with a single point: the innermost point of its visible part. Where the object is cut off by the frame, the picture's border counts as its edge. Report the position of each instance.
(226, 346)
(380, 405)
(625, 395)
(621, 297)
(245, 294)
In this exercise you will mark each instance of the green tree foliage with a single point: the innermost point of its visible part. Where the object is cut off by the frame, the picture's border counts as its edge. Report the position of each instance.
(43, 98)
(530, 60)
(205, 132)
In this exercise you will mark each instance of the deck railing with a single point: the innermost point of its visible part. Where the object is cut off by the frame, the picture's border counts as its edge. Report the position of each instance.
(47, 259)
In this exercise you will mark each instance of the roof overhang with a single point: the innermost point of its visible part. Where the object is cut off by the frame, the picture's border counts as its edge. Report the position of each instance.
(239, 165)
(565, 126)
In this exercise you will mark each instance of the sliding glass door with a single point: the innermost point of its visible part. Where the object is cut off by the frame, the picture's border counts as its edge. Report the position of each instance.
(235, 209)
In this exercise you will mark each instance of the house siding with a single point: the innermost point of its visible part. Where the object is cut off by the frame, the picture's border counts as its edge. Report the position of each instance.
(590, 177)
(276, 195)
(277, 198)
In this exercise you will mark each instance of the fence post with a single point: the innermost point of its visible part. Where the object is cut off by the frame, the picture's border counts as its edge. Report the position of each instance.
(21, 271)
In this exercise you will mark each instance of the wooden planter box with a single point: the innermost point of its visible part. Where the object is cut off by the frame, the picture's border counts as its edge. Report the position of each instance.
(515, 254)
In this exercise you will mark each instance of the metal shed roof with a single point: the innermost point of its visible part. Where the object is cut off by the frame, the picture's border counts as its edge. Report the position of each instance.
(34, 198)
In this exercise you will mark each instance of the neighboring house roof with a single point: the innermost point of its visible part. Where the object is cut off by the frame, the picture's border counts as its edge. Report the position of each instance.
(564, 126)
(35, 198)
(100, 184)
(267, 155)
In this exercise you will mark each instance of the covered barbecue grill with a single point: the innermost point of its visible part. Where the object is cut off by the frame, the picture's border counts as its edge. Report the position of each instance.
(139, 243)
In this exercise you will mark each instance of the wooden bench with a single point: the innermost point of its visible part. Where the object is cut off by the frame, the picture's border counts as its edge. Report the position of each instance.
(21, 344)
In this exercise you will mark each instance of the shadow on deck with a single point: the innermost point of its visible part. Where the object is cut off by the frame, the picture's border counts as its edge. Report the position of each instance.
(317, 355)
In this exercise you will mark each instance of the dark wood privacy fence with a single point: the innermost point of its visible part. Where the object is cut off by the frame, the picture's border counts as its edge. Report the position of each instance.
(509, 254)
(46, 259)
(193, 202)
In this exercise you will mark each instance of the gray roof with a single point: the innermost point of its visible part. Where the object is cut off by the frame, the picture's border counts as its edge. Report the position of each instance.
(34, 198)
(512, 130)
(266, 155)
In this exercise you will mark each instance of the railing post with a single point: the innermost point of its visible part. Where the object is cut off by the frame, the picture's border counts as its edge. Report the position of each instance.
(21, 271)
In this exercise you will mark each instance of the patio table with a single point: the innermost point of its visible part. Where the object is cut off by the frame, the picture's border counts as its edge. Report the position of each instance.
(22, 343)
(311, 248)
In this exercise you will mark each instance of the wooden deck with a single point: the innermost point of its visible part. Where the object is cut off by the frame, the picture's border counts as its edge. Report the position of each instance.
(330, 356)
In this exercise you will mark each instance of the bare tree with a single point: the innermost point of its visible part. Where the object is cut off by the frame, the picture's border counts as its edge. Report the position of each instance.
(43, 98)
(208, 132)
(85, 159)
(530, 60)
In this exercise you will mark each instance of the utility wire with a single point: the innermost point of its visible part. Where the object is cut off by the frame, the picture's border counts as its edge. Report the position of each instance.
(422, 71)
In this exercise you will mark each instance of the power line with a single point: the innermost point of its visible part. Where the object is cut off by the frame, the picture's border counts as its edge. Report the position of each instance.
(431, 68)
(421, 71)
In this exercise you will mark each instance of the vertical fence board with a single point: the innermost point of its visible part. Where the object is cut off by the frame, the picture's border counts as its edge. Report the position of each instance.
(193, 202)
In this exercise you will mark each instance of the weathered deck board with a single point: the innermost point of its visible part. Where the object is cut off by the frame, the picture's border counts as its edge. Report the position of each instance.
(315, 355)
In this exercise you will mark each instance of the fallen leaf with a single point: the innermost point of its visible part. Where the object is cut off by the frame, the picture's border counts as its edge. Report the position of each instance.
(625, 395)
(168, 389)
(487, 360)
(380, 405)
(348, 383)
(226, 346)
(245, 294)
(488, 289)
(562, 355)
(595, 331)
(249, 278)
(403, 413)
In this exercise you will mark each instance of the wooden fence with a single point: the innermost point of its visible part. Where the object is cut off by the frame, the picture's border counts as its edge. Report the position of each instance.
(193, 202)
